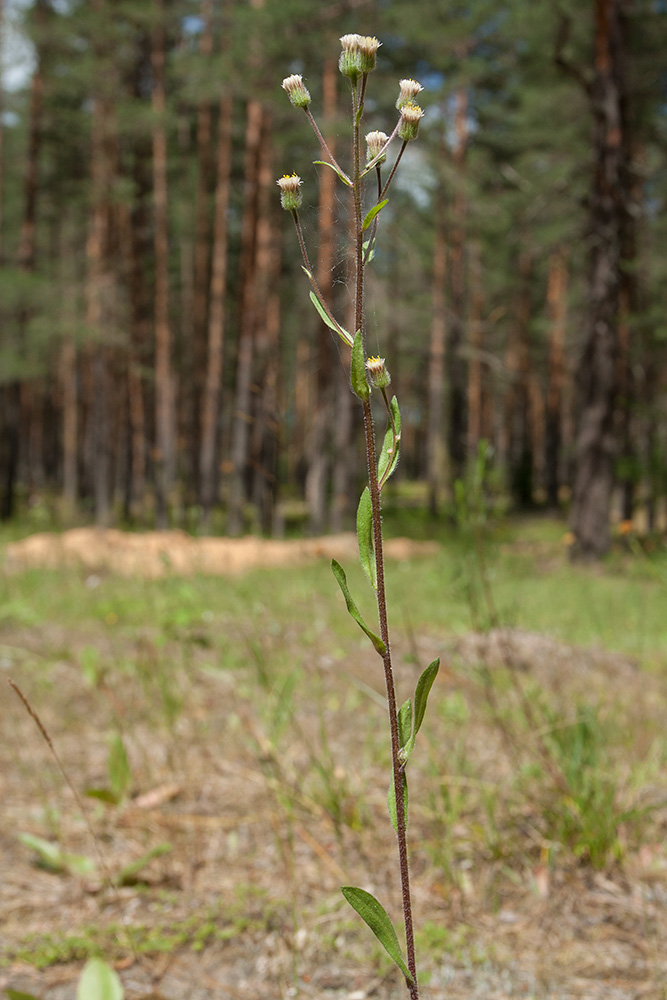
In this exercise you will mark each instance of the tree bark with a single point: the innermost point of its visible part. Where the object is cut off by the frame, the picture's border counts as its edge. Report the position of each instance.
(164, 395)
(216, 325)
(435, 438)
(456, 366)
(248, 304)
(557, 311)
(595, 446)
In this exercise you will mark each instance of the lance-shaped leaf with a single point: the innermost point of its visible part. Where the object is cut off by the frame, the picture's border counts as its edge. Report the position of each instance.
(391, 444)
(332, 324)
(404, 717)
(422, 691)
(358, 379)
(391, 801)
(369, 251)
(99, 981)
(376, 917)
(325, 163)
(339, 573)
(128, 874)
(376, 209)
(365, 537)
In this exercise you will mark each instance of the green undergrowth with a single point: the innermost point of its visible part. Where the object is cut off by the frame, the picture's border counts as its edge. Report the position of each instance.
(114, 941)
(618, 605)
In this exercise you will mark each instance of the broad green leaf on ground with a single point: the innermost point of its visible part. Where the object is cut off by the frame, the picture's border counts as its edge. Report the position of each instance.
(51, 856)
(358, 379)
(339, 573)
(365, 537)
(391, 801)
(376, 917)
(99, 981)
(119, 768)
(373, 212)
(128, 874)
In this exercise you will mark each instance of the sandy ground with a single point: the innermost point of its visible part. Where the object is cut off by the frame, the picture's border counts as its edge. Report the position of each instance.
(254, 852)
(154, 554)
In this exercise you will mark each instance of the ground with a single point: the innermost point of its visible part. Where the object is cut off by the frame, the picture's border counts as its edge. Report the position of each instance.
(250, 717)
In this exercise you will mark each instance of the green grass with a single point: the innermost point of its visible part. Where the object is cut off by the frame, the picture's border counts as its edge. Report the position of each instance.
(619, 605)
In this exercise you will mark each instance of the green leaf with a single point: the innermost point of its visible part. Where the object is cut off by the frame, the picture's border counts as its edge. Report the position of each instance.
(365, 537)
(391, 444)
(358, 380)
(391, 801)
(339, 573)
(376, 917)
(404, 722)
(119, 768)
(99, 981)
(17, 995)
(128, 874)
(368, 254)
(422, 691)
(376, 209)
(339, 173)
(56, 860)
(424, 685)
(336, 327)
(103, 794)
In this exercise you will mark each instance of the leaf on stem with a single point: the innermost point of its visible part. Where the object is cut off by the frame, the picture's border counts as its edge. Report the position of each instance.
(373, 212)
(376, 917)
(339, 573)
(336, 327)
(369, 251)
(52, 857)
(422, 691)
(391, 801)
(391, 445)
(404, 722)
(341, 175)
(358, 380)
(365, 537)
(99, 981)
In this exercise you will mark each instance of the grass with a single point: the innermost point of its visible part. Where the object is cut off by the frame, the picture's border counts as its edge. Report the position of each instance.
(256, 697)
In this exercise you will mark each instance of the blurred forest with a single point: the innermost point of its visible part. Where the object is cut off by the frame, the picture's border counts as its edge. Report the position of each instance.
(160, 361)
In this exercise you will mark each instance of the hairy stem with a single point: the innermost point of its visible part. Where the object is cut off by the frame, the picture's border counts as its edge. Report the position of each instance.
(374, 487)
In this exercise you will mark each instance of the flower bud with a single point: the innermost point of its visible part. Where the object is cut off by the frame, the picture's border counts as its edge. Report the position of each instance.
(368, 46)
(411, 115)
(296, 91)
(375, 143)
(290, 193)
(377, 373)
(349, 62)
(408, 90)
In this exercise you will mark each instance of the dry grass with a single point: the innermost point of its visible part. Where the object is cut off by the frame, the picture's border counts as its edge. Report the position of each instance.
(265, 772)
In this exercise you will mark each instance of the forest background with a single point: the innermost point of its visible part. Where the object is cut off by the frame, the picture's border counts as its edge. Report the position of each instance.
(160, 362)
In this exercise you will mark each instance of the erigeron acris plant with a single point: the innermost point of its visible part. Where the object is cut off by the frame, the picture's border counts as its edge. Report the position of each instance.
(357, 60)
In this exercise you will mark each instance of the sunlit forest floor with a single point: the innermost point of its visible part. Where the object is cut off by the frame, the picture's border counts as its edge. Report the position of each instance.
(227, 737)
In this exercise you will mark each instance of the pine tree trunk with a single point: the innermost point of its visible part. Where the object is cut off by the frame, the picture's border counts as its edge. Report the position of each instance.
(435, 439)
(456, 366)
(475, 410)
(517, 401)
(248, 304)
(595, 446)
(557, 310)
(216, 325)
(164, 395)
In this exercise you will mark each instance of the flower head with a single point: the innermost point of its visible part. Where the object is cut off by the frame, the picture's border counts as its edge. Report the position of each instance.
(377, 373)
(357, 55)
(290, 193)
(375, 143)
(296, 91)
(411, 115)
(408, 91)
